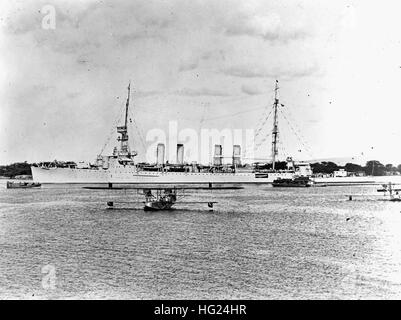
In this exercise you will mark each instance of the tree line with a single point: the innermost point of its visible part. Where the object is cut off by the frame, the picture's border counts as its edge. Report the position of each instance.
(371, 168)
(15, 169)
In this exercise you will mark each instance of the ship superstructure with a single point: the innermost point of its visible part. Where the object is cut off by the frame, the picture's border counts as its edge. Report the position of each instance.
(121, 168)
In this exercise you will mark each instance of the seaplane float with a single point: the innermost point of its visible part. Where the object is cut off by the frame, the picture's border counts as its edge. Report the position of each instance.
(164, 198)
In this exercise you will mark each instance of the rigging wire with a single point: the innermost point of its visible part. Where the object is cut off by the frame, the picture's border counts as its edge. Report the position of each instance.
(232, 114)
(263, 140)
(261, 126)
(136, 126)
(295, 133)
(140, 134)
(248, 148)
(203, 118)
(141, 139)
(297, 129)
(115, 123)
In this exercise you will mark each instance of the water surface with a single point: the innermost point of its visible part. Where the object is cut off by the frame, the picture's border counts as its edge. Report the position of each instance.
(258, 243)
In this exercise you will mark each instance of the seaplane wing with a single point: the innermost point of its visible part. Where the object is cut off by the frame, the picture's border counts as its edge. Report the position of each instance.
(364, 195)
(110, 203)
(162, 197)
(179, 202)
(164, 188)
(387, 190)
(195, 202)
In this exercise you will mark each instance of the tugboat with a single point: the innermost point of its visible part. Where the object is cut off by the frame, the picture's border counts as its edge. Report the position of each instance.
(299, 182)
(22, 185)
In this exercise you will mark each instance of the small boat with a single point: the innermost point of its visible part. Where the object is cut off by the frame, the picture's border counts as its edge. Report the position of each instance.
(299, 182)
(22, 185)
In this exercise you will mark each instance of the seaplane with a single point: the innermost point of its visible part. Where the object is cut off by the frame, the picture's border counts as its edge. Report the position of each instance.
(390, 191)
(164, 198)
(393, 192)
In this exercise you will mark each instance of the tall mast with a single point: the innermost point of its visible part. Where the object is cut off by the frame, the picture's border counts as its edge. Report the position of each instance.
(123, 130)
(127, 104)
(275, 128)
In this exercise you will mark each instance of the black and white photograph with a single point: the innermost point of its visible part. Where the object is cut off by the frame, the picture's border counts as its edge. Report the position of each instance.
(214, 150)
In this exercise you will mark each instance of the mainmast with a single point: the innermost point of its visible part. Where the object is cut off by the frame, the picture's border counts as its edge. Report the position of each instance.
(275, 128)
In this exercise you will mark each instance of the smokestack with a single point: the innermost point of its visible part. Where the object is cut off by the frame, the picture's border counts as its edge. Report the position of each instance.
(180, 153)
(160, 153)
(218, 155)
(236, 154)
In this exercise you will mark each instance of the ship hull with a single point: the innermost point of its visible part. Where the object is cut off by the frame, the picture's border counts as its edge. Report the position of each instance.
(130, 175)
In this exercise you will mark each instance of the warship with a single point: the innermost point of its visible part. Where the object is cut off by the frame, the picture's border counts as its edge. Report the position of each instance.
(120, 167)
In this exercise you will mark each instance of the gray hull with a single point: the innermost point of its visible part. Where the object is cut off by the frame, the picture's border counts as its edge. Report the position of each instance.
(130, 175)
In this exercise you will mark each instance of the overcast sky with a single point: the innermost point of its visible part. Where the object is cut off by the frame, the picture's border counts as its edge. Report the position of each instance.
(206, 64)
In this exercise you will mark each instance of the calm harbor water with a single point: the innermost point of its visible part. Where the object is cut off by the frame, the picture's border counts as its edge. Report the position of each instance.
(258, 243)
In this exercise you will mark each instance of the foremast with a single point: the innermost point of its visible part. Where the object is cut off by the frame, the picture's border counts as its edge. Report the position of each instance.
(125, 153)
